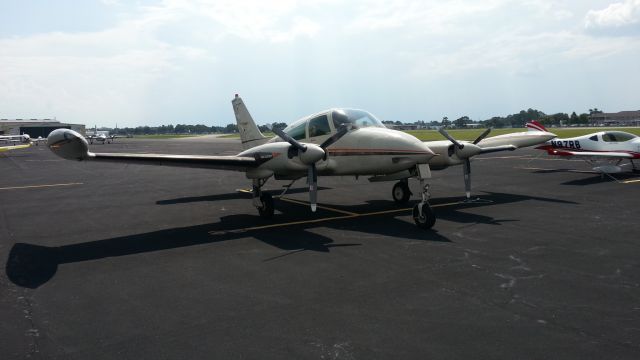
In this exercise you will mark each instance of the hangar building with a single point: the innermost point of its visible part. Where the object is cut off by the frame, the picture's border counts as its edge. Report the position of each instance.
(35, 127)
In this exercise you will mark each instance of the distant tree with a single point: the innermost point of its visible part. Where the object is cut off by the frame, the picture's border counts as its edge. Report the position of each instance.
(231, 128)
(594, 111)
(445, 121)
(573, 119)
(461, 122)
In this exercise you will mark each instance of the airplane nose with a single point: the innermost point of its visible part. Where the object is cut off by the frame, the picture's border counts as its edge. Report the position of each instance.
(68, 144)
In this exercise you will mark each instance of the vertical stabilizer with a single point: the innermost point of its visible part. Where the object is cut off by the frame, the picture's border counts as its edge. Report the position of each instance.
(535, 126)
(250, 135)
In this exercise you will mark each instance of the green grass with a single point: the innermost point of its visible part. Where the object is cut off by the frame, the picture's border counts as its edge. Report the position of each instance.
(472, 134)
(237, 136)
(162, 136)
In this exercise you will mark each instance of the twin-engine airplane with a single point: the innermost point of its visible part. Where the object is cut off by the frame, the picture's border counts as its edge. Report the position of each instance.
(331, 142)
(604, 150)
(102, 136)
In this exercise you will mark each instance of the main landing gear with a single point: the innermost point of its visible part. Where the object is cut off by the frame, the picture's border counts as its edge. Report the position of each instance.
(401, 192)
(262, 201)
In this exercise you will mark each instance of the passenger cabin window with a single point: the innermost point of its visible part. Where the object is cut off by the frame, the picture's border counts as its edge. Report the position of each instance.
(319, 126)
(296, 130)
(594, 138)
(617, 136)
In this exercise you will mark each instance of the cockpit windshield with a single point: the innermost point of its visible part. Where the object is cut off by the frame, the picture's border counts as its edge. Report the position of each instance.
(357, 118)
(617, 136)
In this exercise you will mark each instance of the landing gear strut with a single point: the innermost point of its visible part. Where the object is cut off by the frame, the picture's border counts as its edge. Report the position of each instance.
(262, 201)
(401, 192)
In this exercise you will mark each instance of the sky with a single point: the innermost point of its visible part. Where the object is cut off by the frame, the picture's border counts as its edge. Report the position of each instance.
(135, 63)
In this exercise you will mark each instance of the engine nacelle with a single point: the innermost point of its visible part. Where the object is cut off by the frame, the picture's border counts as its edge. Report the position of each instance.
(68, 144)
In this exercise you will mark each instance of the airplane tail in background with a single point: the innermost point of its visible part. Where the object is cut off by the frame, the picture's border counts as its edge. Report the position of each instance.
(250, 135)
(535, 126)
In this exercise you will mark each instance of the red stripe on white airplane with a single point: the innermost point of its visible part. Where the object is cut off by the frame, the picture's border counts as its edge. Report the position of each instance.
(536, 126)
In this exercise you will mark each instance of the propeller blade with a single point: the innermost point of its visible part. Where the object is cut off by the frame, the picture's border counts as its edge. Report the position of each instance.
(335, 137)
(312, 180)
(446, 134)
(482, 136)
(290, 140)
(467, 177)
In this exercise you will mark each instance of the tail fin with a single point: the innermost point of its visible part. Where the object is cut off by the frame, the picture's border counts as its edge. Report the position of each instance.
(250, 135)
(535, 126)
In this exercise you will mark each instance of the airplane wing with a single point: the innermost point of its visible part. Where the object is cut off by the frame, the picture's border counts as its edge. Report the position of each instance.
(70, 145)
(601, 154)
(236, 163)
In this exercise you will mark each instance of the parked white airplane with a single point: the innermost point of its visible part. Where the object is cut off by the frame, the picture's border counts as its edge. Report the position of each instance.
(604, 150)
(332, 142)
(24, 138)
(102, 137)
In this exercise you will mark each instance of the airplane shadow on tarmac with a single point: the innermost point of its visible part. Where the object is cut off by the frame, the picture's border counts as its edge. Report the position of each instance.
(31, 265)
(595, 178)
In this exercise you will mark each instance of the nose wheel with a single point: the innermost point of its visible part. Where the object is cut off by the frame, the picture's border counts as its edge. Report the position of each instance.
(423, 216)
(401, 192)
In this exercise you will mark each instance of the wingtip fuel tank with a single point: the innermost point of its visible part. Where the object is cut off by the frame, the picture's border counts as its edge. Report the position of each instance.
(68, 144)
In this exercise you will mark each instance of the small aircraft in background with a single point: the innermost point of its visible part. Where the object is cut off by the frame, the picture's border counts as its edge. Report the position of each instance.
(24, 138)
(102, 136)
(604, 150)
(334, 142)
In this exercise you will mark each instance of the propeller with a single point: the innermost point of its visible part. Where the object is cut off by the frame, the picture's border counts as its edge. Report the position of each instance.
(464, 152)
(310, 154)
(482, 136)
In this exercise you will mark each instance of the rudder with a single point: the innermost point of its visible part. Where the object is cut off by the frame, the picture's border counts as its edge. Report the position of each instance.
(250, 135)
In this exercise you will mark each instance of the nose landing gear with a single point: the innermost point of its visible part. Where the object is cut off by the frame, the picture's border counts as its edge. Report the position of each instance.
(423, 215)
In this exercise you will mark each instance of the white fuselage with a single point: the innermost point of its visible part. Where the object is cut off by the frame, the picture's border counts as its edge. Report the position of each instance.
(602, 142)
(364, 151)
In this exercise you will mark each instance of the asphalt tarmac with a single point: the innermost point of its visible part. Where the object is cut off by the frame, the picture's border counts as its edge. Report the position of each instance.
(107, 261)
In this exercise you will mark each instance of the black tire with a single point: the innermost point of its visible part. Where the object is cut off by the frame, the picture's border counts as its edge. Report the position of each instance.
(401, 192)
(266, 211)
(428, 218)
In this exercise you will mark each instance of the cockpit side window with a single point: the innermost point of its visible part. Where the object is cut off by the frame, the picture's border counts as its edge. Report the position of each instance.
(319, 126)
(609, 137)
(296, 131)
(594, 138)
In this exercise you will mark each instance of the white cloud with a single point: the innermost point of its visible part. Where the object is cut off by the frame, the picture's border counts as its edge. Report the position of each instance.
(616, 15)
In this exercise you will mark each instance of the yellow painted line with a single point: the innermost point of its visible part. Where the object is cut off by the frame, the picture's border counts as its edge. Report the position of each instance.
(38, 186)
(503, 157)
(281, 225)
(312, 221)
(559, 170)
(319, 206)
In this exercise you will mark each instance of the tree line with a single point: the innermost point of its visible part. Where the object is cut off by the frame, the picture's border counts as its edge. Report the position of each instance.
(513, 120)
